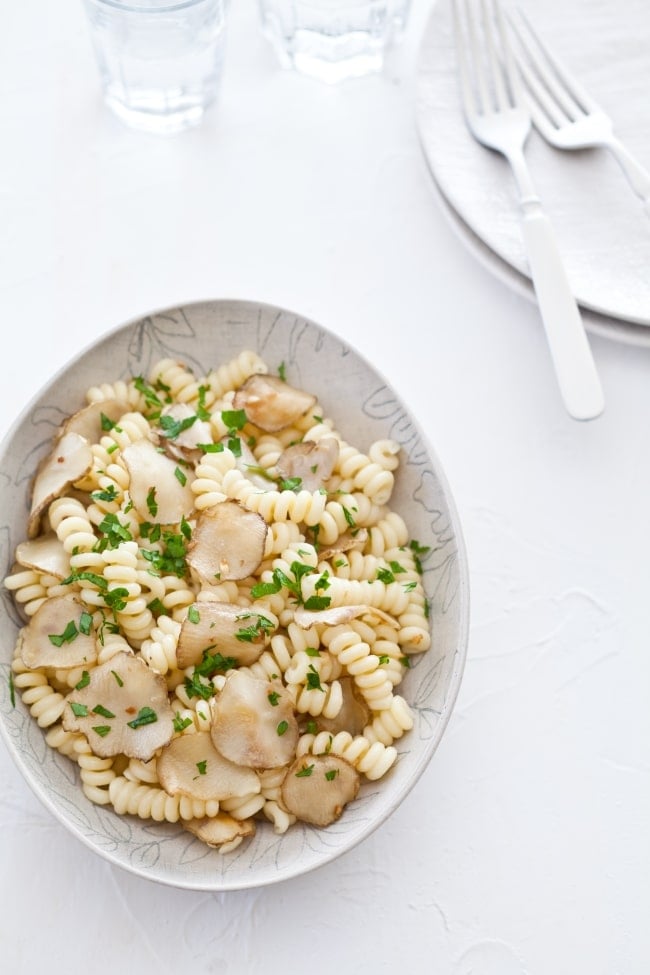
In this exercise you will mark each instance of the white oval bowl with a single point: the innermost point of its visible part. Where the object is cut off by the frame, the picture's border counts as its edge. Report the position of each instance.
(365, 408)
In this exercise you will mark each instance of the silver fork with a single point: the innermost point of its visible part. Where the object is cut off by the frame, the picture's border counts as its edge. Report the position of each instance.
(496, 116)
(563, 112)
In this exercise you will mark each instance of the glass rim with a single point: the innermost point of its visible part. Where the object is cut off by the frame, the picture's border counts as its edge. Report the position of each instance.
(157, 6)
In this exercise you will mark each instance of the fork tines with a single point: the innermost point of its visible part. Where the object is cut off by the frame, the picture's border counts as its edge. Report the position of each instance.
(555, 91)
(488, 76)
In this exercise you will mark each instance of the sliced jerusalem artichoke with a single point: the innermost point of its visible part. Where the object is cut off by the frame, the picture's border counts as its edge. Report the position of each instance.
(181, 432)
(59, 634)
(335, 615)
(317, 788)
(246, 462)
(96, 419)
(70, 460)
(270, 403)
(221, 829)
(191, 766)
(311, 461)
(344, 543)
(227, 543)
(123, 709)
(44, 554)
(354, 714)
(253, 722)
(234, 631)
(159, 489)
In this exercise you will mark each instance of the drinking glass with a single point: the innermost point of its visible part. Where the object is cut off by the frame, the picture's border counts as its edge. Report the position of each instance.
(333, 39)
(160, 61)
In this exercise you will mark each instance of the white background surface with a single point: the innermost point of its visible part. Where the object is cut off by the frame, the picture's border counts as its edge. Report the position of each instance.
(524, 849)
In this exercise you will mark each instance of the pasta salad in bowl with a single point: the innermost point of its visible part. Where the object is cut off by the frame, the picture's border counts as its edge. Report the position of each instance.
(236, 609)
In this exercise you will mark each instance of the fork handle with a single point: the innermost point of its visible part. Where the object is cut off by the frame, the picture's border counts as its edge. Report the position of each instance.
(638, 177)
(574, 364)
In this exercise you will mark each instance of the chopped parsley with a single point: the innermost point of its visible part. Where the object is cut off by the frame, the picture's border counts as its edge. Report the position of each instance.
(180, 724)
(280, 579)
(419, 552)
(150, 397)
(102, 711)
(235, 420)
(85, 623)
(256, 631)
(152, 504)
(69, 634)
(313, 679)
(305, 772)
(113, 532)
(145, 716)
(170, 560)
(107, 494)
(173, 428)
(282, 727)
(116, 599)
(291, 484)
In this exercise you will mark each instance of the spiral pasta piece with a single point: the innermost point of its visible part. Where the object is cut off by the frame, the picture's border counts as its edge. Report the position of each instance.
(61, 740)
(30, 589)
(278, 816)
(139, 771)
(415, 632)
(152, 802)
(391, 723)
(325, 700)
(177, 381)
(243, 807)
(210, 472)
(124, 392)
(69, 519)
(359, 473)
(272, 662)
(109, 643)
(96, 773)
(361, 664)
(296, 506)
(279, 536)
(385, 453)
(178, 597)
(389, 597)
(159, 648)
(390, 532)
(347, 512)
(233, 374)
(373, 759)
(45, 704)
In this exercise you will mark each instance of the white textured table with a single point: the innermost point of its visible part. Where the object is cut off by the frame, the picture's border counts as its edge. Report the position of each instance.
(525, 848)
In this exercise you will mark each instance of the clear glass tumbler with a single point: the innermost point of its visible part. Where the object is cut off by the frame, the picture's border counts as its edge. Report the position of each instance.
(160, 61)
(333, 39)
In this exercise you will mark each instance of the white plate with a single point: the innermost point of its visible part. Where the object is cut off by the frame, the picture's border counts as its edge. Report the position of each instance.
(602, 230)
(608, 328)
(364, 408)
